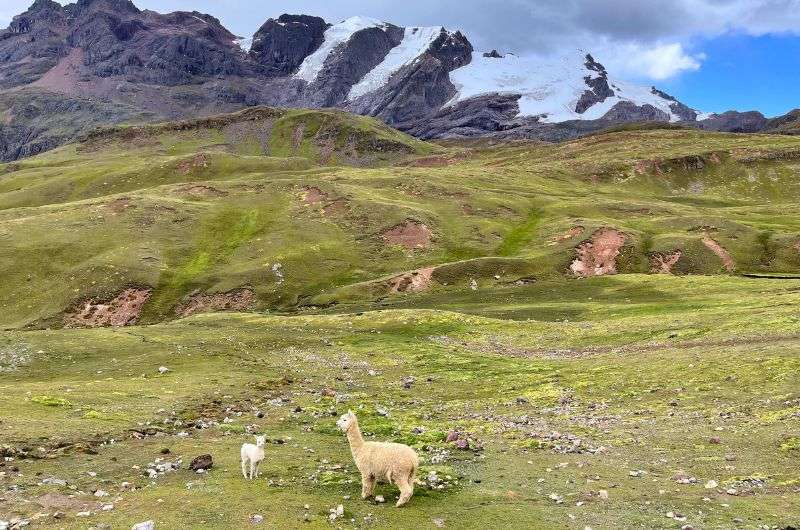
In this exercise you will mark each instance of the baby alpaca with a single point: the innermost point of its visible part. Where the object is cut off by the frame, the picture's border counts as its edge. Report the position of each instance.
(380, 462)
(253, 455)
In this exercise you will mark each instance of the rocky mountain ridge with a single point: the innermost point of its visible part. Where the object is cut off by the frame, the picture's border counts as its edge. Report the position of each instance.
(108, 58)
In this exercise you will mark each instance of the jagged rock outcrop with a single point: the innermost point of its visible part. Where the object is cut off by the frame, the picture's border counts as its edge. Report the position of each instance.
(281, 44)
(627, 111)
(598, 90)
(732, 121)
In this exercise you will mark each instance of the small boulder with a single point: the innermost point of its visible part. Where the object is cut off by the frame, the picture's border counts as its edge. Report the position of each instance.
(146, 525)
(202, 463)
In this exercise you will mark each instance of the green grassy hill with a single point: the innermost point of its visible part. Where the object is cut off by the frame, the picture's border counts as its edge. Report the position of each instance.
(609, 323)
(310, 208)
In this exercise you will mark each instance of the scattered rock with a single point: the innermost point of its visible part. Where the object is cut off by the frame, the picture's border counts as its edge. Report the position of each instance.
(238, 300)
(147, 525)
(380, 499)
(256, 519)
(202, 463)
(163, 370)
(711, 484)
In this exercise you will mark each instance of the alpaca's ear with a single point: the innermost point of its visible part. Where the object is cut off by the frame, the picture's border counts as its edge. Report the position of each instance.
(350, 413)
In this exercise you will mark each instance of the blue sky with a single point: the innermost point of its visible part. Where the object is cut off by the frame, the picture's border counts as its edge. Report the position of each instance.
(714, 55)
(743, 72)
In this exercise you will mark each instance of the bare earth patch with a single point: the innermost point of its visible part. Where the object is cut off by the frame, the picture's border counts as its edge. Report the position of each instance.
(412, 282)
(123, 310)
(314, 195)
(662, 263)
(717, 249)
(239, 300)
(197, 161)
(410, 234)
(118, 206)
(598, 256)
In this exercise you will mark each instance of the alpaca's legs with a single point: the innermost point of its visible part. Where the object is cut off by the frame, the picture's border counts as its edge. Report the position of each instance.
(367, 486)
(252, 470)
(244, 468)
(257, 469)
(406, 490)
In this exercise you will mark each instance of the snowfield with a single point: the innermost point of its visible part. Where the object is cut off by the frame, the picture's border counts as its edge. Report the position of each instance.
(416, 41)
(334, 36)
(549, 88)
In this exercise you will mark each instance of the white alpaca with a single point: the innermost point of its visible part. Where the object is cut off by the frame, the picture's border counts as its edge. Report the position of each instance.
(380, 462)
(252, 455)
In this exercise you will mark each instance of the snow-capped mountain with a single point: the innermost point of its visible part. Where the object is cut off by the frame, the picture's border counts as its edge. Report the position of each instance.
(428, 81)
(555, 90)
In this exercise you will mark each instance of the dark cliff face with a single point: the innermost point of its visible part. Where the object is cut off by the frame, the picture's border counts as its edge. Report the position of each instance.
(281, 44)
(598, 89)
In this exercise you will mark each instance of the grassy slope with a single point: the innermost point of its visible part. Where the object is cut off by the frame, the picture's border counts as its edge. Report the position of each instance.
(652, 401)
(649, 367)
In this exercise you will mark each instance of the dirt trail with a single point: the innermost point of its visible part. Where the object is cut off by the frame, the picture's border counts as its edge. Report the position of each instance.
(717, 249)
(598, 256)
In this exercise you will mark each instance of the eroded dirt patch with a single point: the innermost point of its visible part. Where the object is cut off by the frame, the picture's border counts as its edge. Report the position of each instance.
(573, 232)
(238, 300)
(662, 262)
(410, 234)
(412, 282)
(718, 249)
(598, 256)
(314, 195)
(197, 161)
(122, 310)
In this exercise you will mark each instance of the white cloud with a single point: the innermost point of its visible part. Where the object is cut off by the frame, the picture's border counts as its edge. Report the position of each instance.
(665, 61)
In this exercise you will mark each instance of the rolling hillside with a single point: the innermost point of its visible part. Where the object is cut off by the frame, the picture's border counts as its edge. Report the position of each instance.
(596, 334)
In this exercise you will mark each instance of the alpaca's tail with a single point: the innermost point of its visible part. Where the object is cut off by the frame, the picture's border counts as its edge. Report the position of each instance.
(412, 475)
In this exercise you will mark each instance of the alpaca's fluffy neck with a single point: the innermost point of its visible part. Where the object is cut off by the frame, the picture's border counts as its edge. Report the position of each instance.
(354, 437)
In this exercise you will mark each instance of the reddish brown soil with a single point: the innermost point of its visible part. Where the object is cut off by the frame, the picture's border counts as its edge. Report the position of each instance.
(573, 232)
(297, 136)
(123, 310)
(239, 300)
(412, 282)
(717, 249)
(662, 263)
(410, 234)
(598, 256)
(199, 160)
(65, 76)
(314, 195)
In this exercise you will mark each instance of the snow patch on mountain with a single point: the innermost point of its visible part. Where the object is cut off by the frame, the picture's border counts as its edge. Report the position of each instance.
(416, 41)
(244, 43)
(335, 36)
(549, 88)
